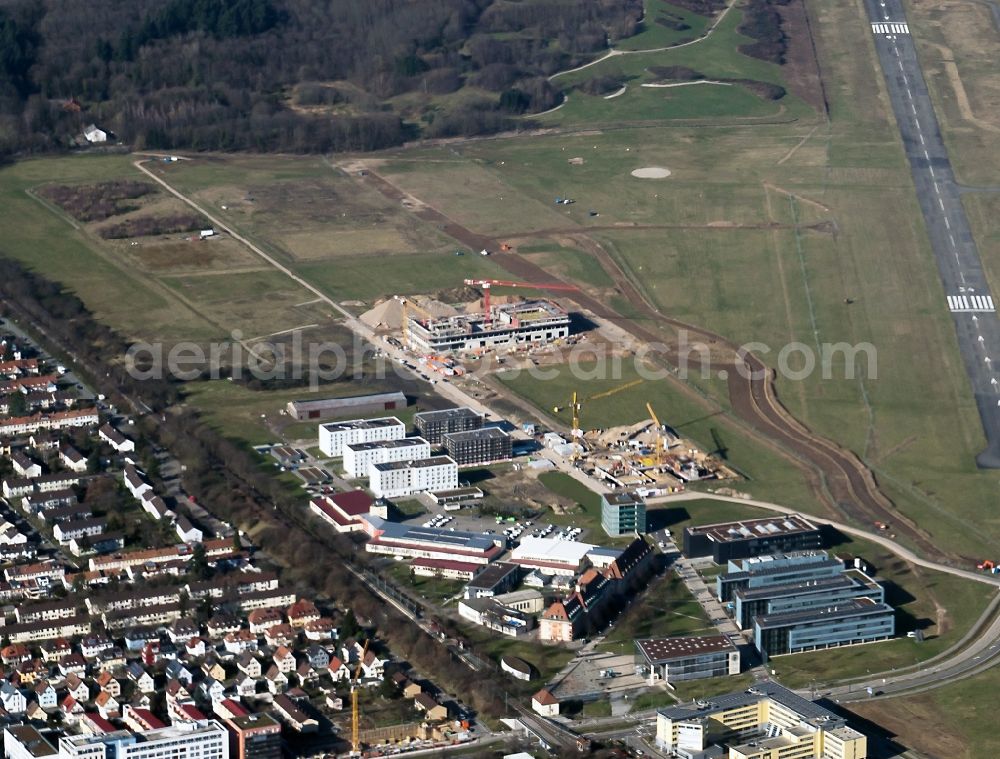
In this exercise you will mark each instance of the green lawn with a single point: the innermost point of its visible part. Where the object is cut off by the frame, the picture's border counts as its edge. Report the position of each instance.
(654, 35)
(665, 609)
(679, 515)
(547, 659)
(254, 416)
(567, 262)
(691, 690)
(587, 512)
(351, 277)
(716, 57)
(652, 104)
(434, 589)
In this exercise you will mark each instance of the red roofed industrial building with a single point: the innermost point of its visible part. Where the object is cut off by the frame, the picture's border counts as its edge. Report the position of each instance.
(343, 510)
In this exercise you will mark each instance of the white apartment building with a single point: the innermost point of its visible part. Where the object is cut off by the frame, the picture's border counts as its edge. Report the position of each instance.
(400, 478)
(203, 739)
(335, 435)
(359, 456)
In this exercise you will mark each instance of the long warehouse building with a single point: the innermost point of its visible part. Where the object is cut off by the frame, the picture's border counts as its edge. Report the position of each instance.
(751, 537)
(859, 620)
(415, 542)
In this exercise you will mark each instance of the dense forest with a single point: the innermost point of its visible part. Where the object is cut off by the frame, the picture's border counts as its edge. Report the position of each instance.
(290, 75)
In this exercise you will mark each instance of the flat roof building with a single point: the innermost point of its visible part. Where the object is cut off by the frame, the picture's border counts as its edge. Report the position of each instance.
(483, 446)
(550, 556)
(393, 479)
(689, 658)
(434, 425)
(330, 408)
(335, 435)
(775, 569)
(860, 620)
(359, 456)
(802, 596)
(623, 513)
(25, 742)
(254, 736)
(493, 580)
(751, 537)
(533, 321)
(199, 739)
(413, 541)
(767, 721)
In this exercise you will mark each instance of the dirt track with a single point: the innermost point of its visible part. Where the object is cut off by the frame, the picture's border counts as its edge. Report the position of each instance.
(836, 475)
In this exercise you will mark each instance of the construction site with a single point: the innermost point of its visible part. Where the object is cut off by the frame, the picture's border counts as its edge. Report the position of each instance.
(648, 457)
(514, 332)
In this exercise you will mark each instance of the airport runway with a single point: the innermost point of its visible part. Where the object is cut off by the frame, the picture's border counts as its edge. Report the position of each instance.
(966, 292)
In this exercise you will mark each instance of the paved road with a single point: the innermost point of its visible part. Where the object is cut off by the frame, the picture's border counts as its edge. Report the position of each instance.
(959, 264)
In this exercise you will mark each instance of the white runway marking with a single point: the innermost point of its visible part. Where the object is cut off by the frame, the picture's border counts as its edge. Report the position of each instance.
(947, 223)
(970, 303)
(890, 27)
(941, 203)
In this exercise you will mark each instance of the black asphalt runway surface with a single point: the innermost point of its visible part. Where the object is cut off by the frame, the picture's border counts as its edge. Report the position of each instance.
(966, 293)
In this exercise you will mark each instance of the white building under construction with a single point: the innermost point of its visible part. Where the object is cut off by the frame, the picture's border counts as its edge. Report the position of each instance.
(533, 321)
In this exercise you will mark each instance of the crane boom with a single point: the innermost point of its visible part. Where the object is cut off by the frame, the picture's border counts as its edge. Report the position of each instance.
(652, 414)
(615, 390)
(355, 731)
(661, 444)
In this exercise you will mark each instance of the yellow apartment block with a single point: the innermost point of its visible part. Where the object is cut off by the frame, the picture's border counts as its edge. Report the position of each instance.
(767, 721)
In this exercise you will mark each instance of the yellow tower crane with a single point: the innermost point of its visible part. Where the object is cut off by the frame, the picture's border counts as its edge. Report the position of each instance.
(574, 406)
(355, 739)
(661, 443)
(407, 305)
(614, 390)
(577, 433)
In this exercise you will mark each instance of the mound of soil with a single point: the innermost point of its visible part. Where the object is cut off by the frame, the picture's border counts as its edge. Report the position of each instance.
(602, 85)
(702, 7)
(675, 73)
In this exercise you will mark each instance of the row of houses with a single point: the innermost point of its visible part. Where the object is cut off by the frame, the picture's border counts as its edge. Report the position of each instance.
(154, 505)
